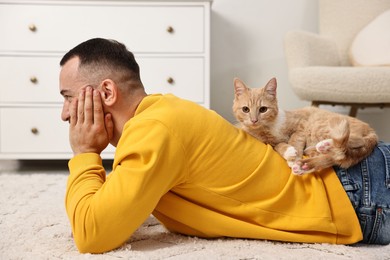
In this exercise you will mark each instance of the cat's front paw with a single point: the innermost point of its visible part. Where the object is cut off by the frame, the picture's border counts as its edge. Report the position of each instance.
(324, 145)
(296, 169)
(299, 168)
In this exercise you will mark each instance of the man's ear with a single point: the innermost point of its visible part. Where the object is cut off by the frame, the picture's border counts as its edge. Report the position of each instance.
(110, 92)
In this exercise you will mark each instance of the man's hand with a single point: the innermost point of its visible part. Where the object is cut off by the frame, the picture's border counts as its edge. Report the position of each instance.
(90, 130)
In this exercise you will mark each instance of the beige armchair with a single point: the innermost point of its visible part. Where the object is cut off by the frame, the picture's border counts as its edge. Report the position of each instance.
(319, 65)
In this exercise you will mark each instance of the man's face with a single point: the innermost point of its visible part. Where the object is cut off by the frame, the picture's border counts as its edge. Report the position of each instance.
(70, 85)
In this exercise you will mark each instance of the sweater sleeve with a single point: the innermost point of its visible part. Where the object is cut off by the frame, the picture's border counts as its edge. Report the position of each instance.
(104, 213)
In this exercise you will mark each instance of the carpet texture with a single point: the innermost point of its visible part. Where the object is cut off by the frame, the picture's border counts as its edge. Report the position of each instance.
(33, 225)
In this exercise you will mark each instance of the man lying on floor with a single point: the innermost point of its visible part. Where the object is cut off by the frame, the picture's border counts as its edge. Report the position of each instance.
(194, 171)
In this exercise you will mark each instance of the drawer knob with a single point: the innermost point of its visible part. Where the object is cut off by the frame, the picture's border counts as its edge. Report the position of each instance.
(32, 27)
(170, 29)
(34, 80)
(34, 130)
(170, 80)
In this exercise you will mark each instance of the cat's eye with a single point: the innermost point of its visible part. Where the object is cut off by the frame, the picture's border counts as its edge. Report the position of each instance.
(263, 109)
(245, 109)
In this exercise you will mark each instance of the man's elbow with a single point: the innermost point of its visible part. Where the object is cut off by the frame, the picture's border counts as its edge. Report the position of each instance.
(93, 245)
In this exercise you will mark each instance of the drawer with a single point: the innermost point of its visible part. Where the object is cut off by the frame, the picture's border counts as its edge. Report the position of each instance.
(29, 79)
(34, 130)
(35, 79)
(183, 77)
(144, 28)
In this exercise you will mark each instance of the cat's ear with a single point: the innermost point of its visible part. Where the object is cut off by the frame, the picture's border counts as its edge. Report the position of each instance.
(271, 86)
(239, 87)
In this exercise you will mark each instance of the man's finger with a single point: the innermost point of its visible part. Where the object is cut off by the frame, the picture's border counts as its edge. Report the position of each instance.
(88, 106)
(80, 106)
(98, 115)
(73, 112)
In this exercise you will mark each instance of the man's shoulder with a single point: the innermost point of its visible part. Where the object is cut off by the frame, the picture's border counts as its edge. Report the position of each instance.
(168, 103)
(169, 110)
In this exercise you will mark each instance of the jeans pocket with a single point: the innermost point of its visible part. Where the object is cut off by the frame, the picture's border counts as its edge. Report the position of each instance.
(372, 223)
(386, 155)
(363, 219)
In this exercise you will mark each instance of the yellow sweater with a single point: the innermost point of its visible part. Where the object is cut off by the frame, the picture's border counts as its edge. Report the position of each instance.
(199, 175)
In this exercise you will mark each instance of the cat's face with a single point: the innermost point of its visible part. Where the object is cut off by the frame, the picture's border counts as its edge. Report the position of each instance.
(255, 107)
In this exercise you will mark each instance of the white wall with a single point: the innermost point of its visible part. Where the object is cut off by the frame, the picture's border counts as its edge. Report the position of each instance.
(247, 42)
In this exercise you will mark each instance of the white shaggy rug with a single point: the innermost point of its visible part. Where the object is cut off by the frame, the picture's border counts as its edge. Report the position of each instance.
(33, 225)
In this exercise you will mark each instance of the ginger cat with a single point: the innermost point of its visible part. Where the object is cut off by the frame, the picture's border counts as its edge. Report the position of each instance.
(326, 138)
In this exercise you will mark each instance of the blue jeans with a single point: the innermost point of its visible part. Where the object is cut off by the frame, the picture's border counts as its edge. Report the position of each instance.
(368, 187)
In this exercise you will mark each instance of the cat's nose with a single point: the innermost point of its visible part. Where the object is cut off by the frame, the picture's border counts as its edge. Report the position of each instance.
(254, 121)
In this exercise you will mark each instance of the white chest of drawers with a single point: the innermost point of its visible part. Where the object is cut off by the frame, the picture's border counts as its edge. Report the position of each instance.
(170, 40)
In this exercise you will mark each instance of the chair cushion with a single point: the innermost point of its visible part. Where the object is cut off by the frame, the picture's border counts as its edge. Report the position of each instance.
(342, 84)
(371, 46)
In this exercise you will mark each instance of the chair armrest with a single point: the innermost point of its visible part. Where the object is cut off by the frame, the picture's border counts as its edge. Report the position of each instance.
(303, 49)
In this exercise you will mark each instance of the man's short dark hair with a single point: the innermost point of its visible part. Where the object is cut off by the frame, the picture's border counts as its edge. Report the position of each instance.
(101, 52)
